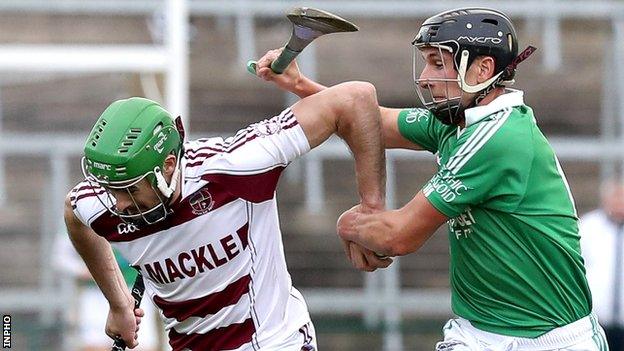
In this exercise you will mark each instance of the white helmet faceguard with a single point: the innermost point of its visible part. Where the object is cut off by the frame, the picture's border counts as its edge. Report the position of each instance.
(138, 217)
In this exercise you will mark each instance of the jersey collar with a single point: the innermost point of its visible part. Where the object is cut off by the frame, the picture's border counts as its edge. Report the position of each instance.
(510, 99)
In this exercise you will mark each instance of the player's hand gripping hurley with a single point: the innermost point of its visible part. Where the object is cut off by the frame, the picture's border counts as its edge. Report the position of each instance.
(138, 288)
(308, 24)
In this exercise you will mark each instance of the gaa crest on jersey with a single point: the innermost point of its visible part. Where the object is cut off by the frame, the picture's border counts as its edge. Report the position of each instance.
(267, 128)
(201, 202)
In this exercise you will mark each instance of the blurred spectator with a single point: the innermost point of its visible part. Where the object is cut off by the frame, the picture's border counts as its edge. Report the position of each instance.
(602, 246)
(92, 308)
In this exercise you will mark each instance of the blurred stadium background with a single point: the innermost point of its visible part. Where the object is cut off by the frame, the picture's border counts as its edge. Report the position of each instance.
(62, 62)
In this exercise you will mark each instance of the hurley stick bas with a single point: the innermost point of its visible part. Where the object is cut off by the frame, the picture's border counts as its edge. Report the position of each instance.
(308, 24)
(138, 288)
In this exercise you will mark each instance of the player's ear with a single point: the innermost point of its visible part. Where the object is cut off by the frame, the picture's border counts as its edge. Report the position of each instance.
(485, 66)
(169, 165)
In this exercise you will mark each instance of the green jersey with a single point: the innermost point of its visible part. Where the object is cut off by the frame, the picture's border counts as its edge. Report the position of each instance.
(516, 267)
(127, 271)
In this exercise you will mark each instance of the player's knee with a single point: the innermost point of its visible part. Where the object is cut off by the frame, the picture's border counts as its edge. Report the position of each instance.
(353, 94)
(361, 91)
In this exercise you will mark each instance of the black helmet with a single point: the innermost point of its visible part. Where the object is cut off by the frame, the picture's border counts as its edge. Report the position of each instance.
(467, 33)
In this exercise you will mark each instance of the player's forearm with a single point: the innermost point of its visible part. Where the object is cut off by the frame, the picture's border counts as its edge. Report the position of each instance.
(113, 286)
(99, 259)
(305, 87)
(361, 129)
(102, 265)
(350, 111)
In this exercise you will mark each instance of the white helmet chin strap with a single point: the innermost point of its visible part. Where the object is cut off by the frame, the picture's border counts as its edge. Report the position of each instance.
(161, 182)
(463, 67)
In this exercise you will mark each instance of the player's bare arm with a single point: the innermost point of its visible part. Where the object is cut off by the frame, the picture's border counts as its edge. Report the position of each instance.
(97, 254)
(393, 233)
(294, 81)
(350, 110)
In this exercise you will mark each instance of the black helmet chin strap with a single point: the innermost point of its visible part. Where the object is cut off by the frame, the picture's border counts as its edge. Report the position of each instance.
(507, 72)
(458, 114)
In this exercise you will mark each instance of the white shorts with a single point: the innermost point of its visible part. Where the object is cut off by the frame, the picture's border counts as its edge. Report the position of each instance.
(302, 340)
(583, 335)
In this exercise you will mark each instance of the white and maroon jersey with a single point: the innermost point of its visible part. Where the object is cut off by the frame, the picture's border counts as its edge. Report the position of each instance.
(216, 267)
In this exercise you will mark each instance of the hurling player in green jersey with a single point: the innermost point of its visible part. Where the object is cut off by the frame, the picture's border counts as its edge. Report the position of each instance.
(517, 276)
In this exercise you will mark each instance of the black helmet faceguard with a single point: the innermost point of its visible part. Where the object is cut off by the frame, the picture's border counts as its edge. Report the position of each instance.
(467, 33)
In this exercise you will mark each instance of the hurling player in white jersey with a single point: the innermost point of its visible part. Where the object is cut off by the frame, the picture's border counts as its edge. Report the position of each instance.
(199, 218)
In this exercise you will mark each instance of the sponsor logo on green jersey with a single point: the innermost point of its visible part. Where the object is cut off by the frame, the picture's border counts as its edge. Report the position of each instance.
(446, 185)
